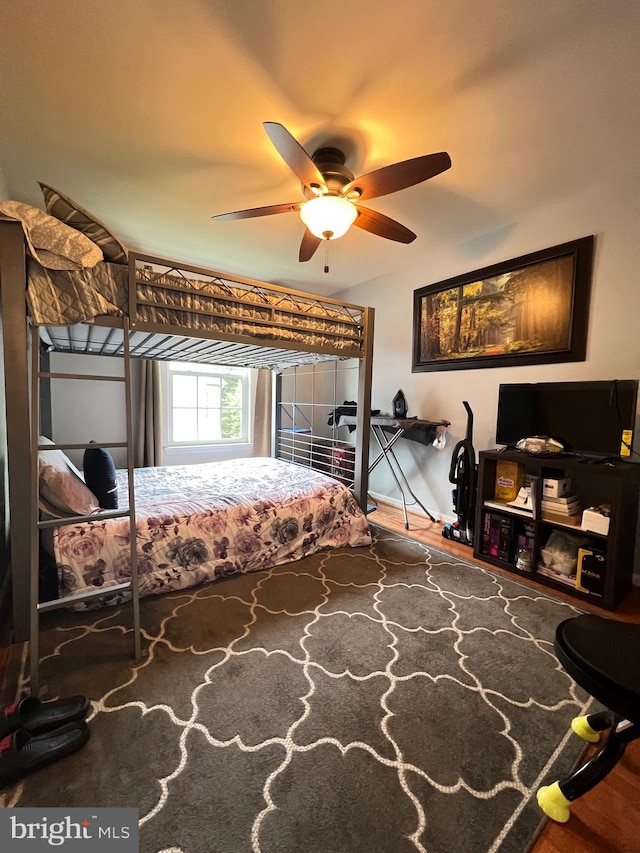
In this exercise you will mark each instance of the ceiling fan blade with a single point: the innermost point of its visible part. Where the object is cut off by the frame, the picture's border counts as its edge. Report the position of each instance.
(308, 246)
(260, 211)
(294, 156)
(398, 176)
(383, 226)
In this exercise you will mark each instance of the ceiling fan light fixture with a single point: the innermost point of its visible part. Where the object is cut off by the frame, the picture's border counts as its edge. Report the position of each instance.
(328, 217)
(333, 193)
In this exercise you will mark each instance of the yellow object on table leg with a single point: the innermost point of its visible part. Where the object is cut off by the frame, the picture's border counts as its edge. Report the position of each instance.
(581, 727)
(554, 803)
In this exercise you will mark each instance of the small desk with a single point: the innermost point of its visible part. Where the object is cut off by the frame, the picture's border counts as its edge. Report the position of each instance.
(387, 430)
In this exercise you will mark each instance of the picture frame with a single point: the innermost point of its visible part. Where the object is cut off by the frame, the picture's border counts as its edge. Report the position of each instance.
(529, 310)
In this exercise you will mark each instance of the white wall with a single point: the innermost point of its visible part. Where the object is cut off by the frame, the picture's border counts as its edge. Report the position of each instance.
(83, 410)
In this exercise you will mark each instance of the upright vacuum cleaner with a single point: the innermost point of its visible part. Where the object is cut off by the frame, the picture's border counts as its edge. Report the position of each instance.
(463, 475)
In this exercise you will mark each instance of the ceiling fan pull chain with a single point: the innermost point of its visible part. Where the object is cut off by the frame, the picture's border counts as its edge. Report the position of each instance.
(326, 257)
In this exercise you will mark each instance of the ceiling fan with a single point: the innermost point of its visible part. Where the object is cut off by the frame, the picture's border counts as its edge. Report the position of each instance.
(332, 191)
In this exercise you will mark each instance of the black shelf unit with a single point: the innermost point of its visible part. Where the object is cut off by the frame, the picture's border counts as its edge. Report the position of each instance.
(595, 482)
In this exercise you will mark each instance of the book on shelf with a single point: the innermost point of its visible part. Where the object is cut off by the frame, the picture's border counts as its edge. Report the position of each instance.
(562, 509)
(505, 507)
(567, 499)
(558, 518)
(567, 580)
(498, 536)
(491, 534)
(505, 539)
(531, 482)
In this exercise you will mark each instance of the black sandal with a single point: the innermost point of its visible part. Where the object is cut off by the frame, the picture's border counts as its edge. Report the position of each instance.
(22, 753)
(35, 717)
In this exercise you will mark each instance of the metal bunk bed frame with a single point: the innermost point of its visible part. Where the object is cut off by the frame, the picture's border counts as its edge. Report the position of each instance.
(132, 337)
(35, 606)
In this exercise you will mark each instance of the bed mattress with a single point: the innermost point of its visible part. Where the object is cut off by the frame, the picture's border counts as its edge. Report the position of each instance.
(198, 523)
(214, 306)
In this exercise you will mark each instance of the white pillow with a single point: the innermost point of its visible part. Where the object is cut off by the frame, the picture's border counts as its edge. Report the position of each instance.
(63, 492)
(55, 245)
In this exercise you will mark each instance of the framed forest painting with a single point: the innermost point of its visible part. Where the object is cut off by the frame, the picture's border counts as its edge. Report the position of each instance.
(529, 310)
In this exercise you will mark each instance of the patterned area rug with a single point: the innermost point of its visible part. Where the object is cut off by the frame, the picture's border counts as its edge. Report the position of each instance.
(386, 698)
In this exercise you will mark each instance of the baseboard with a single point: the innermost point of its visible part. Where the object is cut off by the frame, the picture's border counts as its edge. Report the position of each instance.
(412, 509)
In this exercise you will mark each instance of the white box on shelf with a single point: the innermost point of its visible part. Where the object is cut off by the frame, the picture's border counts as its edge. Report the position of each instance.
(595, 522)
(556, 488)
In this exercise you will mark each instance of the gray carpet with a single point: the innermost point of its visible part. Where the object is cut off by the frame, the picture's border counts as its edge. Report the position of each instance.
(389, 698)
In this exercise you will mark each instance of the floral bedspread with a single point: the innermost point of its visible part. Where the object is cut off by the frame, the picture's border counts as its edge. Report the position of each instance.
(197, 523)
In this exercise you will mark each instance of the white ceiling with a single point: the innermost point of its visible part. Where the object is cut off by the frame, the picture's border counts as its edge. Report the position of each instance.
(149, 113)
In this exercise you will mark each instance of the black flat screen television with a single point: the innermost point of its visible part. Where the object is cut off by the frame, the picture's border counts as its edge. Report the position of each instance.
(587, 417)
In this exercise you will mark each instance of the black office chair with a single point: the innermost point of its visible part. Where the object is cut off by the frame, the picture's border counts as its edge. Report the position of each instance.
(603, 657)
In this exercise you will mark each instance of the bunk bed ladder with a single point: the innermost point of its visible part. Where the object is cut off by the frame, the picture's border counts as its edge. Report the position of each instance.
(36, 607)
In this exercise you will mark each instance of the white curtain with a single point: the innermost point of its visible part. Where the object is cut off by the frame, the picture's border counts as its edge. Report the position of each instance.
(263, 413)
(148, 439)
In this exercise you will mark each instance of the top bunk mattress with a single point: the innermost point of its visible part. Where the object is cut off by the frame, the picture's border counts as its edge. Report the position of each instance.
(184, 300)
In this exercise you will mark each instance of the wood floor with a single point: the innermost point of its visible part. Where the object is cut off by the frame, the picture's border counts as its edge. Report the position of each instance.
(607, 819)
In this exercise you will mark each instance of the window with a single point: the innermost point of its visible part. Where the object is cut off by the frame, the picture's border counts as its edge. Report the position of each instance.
(207, 404)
